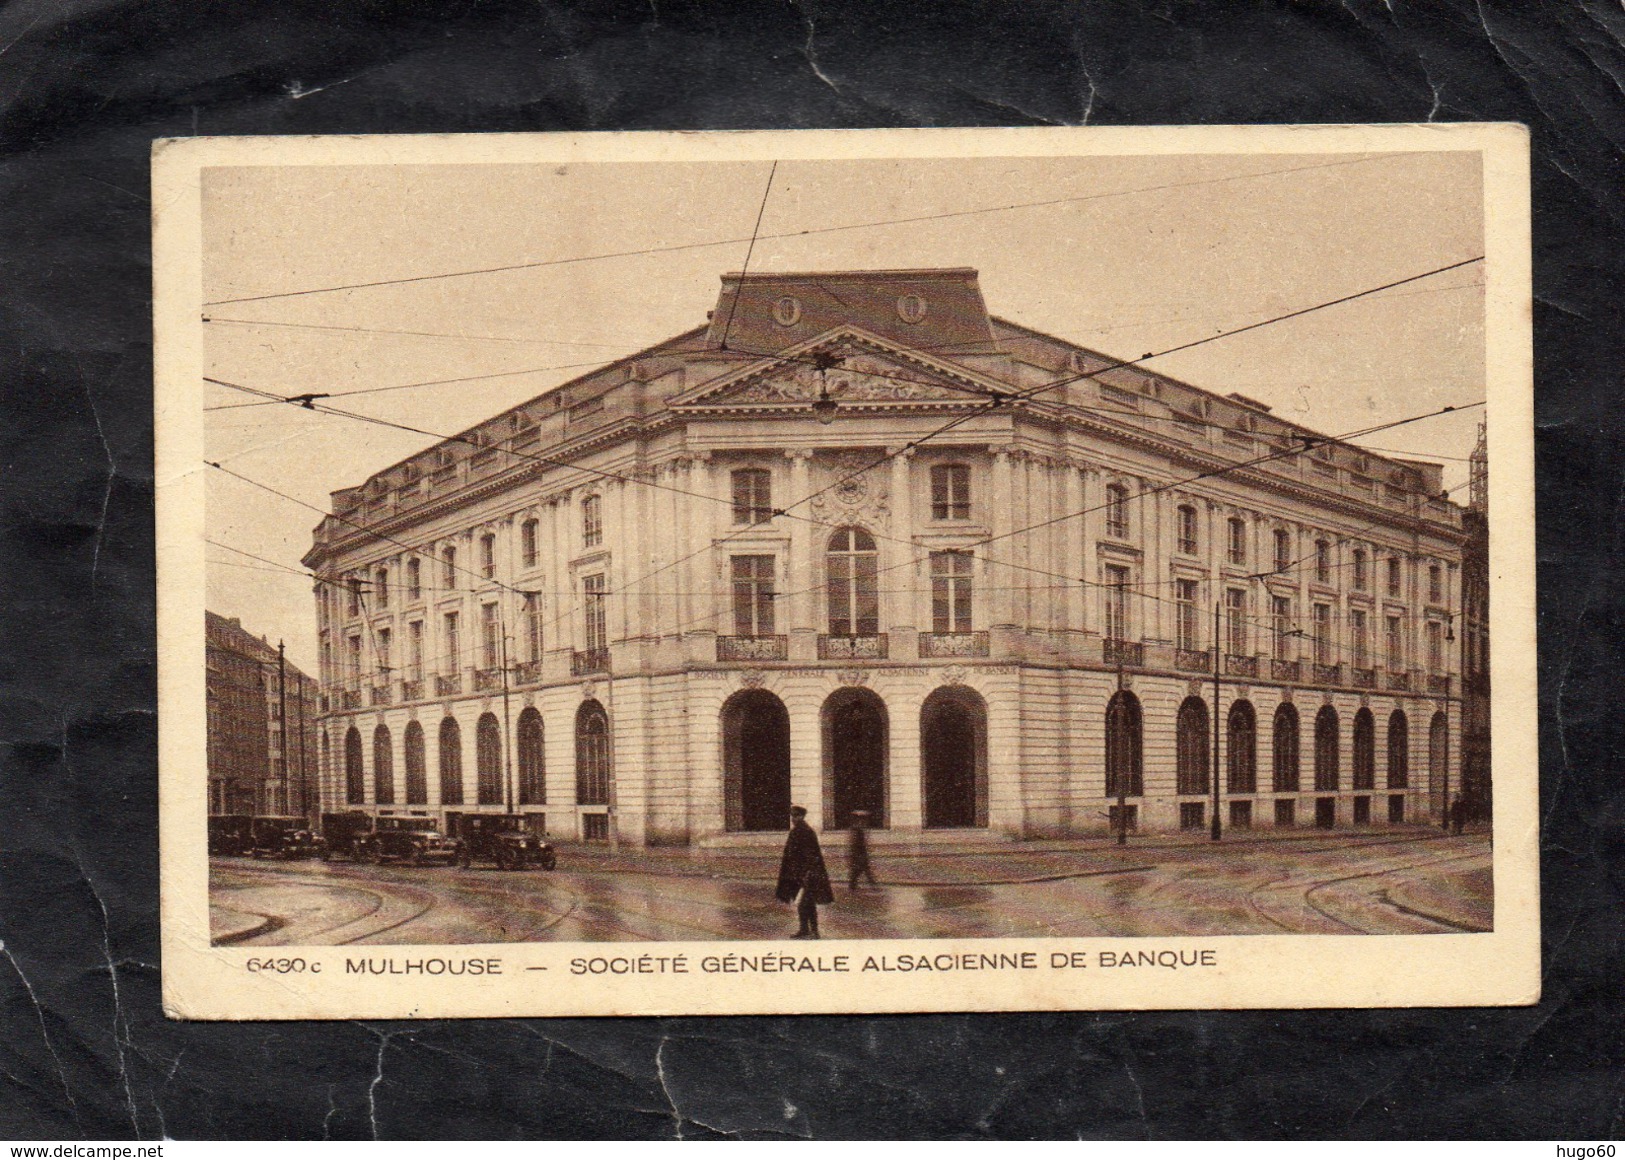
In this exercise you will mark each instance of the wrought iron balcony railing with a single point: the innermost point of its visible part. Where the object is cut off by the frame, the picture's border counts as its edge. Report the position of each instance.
(953, 644)
(1399, 681)
(1240, 665)
(584, 662)
(1439, 684)
(1122, 652)
(1286, 670)
(528, 672)
(1364, 678)
(487, 680)
(1328, 674)
(753, 648)
(352, 698)
(448, 685)
(872, 647)
(380, 695)
(412, 690)
(1193, 660)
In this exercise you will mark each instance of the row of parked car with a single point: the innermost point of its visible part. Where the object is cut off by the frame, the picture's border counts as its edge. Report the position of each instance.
(504, 840)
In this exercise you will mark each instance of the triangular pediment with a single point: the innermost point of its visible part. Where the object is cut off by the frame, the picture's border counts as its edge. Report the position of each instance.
(869, 370)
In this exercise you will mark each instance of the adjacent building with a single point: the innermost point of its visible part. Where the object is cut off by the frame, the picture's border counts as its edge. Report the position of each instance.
(856, 543)
(262, 717)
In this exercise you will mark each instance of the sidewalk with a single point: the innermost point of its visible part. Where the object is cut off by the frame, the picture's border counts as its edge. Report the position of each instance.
(981, 863)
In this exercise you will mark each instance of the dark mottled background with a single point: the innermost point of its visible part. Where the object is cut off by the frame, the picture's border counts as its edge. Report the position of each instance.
(86, 84)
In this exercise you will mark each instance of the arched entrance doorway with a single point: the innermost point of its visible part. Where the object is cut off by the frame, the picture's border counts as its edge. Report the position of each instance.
(856, 744)
(755, 761)
(953, 758)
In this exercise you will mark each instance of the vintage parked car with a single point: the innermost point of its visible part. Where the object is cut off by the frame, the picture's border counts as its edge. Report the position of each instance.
(504, 839)
(346, 835)
(408, 839)
(230, 833)
(283, 837)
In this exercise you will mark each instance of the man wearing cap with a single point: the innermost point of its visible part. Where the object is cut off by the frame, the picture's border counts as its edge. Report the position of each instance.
(802, 876)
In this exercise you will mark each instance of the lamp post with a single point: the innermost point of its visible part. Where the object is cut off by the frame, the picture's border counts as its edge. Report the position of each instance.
(1216, 832)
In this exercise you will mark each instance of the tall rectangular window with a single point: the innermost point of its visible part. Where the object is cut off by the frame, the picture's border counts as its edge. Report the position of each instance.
(533, 626)
(753, 496)
(352, 671)
(448, 568)
(592, 591)
(1283, 549)
(1360, 578)
(951, 591)
(1185, 614)
(753, 595)
(382, 644)
(1117, 511)
(353, 584)
(452, 662)
(851, 567)
(1238, 540)
(1396, 643)
(592, 521)
(1235, 610)
(1323, 634)
(490, 637)
(1435, 584)
(1323, 562)
(1394, 579)
(1114, 602)
(527, 543)
(1281, 626)
(488, 556)
(1360, 631)
(414, 655)
(1435, 632)
(1187, 529)
(950, 492)
(414, 579)
(381, 584)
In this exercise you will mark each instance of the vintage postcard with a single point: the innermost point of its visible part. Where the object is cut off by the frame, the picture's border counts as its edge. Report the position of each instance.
(919, 570)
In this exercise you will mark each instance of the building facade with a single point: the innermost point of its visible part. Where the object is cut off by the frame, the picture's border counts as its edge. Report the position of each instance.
(857, 544)
(262, 725)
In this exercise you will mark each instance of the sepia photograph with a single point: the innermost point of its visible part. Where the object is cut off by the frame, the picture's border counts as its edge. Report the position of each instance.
(1046, 568)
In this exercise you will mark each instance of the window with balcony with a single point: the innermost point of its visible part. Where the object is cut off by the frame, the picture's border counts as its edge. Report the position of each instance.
(950, 492)
(353, 587)
(1323, 562)
(352, 671)
(527, 543)
(533, 627)
(1238, 540)
(595, 619)
(951, 592)
(1185, 637)
(1186, 517)
(448, 568)
(1235, 612)
(1360, 632)
(1322, 618)
(1361, 580)
(851, 564)
(380, 586)
(488, 556)
(1283, 549)
(1395, 583)
(414, 579)
(592, 521)
(1114, 602)
(490, 638)
(1117, 511)
(414, 650)
(752, 496)
(753, 595)
(1395, 643)
(382, 647)
(1281, 626)
(451, 663)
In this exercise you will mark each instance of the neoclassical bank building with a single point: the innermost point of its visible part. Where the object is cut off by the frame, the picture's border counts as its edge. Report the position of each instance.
(857, 544)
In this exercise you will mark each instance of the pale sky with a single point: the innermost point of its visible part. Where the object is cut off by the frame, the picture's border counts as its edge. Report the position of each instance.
(1134, 268)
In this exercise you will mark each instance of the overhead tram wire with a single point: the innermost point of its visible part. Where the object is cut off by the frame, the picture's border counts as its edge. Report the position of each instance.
(795, 233)
(306, 400)
(744, 269)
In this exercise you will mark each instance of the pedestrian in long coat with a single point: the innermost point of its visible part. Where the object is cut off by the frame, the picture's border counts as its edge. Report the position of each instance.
(857, 851)
(803, 879)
